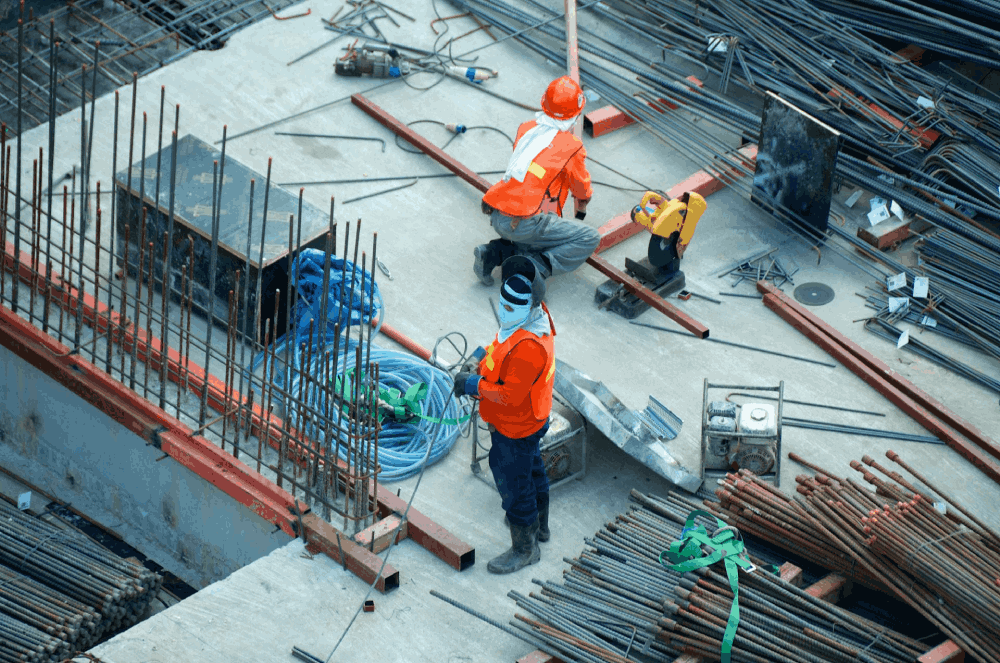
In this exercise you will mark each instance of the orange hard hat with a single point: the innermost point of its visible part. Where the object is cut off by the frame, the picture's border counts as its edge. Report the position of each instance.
(563, 99)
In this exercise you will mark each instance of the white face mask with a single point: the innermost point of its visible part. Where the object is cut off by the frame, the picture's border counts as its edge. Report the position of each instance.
(511, 321)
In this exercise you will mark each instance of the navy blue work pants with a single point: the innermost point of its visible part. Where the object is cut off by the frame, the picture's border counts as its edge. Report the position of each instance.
(519, 474)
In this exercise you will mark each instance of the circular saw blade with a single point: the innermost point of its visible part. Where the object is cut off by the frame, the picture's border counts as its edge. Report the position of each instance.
(814, 294)
(662, 251)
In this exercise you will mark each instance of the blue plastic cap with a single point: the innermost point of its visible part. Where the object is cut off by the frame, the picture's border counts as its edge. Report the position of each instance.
(394, 72)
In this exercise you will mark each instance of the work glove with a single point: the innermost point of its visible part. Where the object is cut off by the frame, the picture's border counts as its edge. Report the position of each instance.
(472, 363)
(467, 384)
(581, 208)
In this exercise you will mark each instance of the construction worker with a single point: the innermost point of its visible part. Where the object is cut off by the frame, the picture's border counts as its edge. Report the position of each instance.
(513, 379)
(548, 164)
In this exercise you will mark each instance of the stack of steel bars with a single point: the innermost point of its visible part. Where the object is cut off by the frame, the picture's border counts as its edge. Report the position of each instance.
(965, 29)
(60, 592)
(886, 107)
(134, 37)
(618, 603)
(924, 547)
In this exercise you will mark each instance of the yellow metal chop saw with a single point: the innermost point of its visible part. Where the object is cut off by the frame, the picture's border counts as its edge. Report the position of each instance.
(671, 223)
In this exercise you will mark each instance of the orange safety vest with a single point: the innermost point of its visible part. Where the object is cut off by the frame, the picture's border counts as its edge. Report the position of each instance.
(517, 421)
(527, 198)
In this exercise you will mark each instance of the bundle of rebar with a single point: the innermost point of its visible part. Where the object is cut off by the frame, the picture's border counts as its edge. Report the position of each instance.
(960, 28)
(132, 36)
(60, 592)
(618, 602)
(778, 622)
(883, 105)
(917, 543)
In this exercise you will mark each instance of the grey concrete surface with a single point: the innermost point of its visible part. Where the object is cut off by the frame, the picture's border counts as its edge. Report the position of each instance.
(59, 442)
(426, 237)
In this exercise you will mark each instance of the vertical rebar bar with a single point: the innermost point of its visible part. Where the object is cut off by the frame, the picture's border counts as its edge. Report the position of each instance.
(246, 303)
(17, 191)
(227, 371)
(138, 296)
(123, 291)
(168, 258)
(149, 322)
(52, 141)
(112, 249)
(213, 259)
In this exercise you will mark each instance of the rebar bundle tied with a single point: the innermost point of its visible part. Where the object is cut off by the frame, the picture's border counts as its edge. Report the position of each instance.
(909, 541)
(60, 592)
(617, 603)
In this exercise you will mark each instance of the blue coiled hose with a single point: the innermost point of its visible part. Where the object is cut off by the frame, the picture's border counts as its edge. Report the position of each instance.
(402, 445)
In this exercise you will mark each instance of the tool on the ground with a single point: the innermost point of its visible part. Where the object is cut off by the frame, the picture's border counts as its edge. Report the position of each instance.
(747, 436)
(286, 133)
(684, 295)
(385, 270)
(375, 64)
(672, 223)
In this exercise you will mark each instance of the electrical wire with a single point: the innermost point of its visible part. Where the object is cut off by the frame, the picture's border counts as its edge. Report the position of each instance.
(401, 146)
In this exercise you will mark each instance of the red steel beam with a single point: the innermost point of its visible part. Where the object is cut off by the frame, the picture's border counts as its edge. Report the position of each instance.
(946, 652)
(325, 538)
(648, 296)
(800, 319)
(607, 119)
(458, 554)
(418, 141)
(703, 182)
(882, 369)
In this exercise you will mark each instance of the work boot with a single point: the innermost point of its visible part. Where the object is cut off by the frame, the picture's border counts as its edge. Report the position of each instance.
(487, 259)
(543, 517)
(523, 551)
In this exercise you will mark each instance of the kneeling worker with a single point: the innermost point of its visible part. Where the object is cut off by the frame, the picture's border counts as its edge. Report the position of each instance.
(548, 164)
(513, 379)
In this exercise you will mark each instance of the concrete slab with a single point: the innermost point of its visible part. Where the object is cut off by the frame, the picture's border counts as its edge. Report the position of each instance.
(426, 237)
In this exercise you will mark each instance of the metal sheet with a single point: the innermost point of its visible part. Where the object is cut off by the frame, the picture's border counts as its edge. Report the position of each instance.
(796, 158)
(625, 428)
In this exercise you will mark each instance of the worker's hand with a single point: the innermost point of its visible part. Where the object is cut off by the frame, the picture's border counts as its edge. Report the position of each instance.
(472, 363)
(467, 384)
(581, 208)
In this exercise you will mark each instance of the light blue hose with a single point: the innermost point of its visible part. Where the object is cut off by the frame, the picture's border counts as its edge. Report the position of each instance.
(402, 446)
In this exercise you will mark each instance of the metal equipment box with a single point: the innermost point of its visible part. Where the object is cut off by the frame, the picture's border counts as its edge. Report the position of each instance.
(193, 226)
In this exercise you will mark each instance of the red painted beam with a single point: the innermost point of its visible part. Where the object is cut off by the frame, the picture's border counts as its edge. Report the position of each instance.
(882, 369)
(946, 652)
(845, 351)
(648, 296)
(421, 143)
(607, 119)
(828, 588)
(325, 538)
(703, 182)
(452, 550)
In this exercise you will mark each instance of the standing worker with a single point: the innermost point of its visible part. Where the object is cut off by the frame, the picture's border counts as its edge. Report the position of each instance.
(513, 379)
(548, 164)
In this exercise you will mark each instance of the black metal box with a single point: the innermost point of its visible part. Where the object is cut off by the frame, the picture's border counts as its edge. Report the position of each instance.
(193, 226)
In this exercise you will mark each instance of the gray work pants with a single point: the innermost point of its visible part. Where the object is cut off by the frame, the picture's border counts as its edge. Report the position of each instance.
(566, 244)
